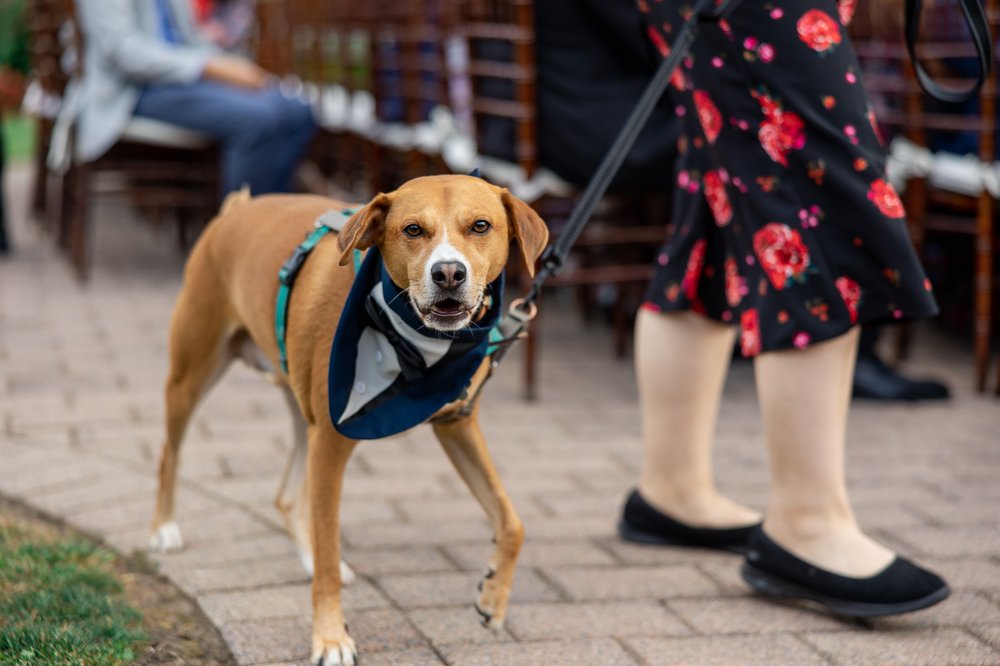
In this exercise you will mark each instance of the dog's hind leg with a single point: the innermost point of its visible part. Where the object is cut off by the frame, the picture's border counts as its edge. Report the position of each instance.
(465, 445)
(199, 354)
(293, 495)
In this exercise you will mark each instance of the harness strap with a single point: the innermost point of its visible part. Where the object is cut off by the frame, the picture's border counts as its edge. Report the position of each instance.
(286, 278)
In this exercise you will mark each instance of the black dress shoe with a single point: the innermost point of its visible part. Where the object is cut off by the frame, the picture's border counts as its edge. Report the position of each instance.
(641, 523)
(902, 587)
(874, 380)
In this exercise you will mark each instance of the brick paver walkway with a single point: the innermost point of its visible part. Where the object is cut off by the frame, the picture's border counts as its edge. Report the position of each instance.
(81, 370)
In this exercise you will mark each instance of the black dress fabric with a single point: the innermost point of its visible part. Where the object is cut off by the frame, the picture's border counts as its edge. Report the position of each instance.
(593, 64)
(785, 222)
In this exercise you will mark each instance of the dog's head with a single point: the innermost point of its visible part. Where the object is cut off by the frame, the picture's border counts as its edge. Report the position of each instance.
(444, 239)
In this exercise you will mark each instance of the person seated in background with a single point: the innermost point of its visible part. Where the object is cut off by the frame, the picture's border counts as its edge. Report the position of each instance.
(147, 58)
(593, 64)
(226, 23)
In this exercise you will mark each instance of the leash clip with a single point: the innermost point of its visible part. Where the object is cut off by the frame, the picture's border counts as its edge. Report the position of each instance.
(522, 310)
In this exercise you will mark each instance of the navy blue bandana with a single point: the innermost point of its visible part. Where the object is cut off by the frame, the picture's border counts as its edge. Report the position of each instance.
(388, 370)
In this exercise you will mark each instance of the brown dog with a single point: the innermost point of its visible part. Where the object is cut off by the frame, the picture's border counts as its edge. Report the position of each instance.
(443, 239)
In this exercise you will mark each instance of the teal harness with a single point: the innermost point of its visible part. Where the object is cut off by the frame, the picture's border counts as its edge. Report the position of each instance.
(290, 270)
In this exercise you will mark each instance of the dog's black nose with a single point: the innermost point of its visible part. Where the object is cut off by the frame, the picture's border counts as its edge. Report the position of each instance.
(448, 274)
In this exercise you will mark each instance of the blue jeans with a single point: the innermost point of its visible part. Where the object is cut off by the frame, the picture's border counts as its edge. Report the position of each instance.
(263, 133)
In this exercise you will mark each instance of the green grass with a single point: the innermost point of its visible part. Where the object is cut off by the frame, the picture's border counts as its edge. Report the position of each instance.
(61, 604)
(18, 137)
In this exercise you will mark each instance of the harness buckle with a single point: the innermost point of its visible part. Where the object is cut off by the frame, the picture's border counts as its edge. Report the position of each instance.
(290, 269)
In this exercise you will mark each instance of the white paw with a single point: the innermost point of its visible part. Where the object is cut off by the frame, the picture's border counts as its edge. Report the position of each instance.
(307, 562)
(342, 653)
(167, 538)
(347, 575)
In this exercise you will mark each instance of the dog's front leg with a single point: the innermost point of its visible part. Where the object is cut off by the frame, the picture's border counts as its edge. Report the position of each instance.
(465, 445)
(328, 455)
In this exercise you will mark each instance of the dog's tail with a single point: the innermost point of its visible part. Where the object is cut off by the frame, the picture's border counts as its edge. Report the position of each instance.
(235, 199)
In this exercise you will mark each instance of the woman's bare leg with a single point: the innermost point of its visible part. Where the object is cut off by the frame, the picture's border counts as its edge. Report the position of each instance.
(804, 398)
(681, 364)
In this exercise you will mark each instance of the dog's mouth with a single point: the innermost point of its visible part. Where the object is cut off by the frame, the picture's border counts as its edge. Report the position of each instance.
(449, 313)
(448, 308)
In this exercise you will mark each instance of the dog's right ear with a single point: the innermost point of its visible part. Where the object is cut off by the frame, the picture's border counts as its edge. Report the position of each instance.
(364, 228)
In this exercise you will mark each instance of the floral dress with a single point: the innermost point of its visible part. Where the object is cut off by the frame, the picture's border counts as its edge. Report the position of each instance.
(784, 220)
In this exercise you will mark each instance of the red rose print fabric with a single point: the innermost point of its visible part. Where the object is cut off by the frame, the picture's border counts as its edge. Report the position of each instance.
(885, 198)
(780, 130)
(718, 200)
(818, 30)
(850, 291)
(784, 222)
(749, 333)
(845, 10)
(781, 252)
(708, 115)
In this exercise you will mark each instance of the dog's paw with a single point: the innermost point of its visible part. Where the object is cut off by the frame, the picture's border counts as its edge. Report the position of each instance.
(339, 652)
(347, 575)
(167, 538)
(492, 602)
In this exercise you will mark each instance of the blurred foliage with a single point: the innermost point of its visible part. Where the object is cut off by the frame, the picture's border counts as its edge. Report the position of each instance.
(18, 136)
(14, 36)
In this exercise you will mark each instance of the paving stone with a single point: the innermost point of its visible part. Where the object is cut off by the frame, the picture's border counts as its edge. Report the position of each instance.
(750, 616)
(96, 494)
(413, 657)
(454, 625)
(536, 553)
(966, 573)
(234, 576)
(284, 601)
(989, 634)
(592, 620)
(631, 553)
(412, 560)
(656, 582)
(416, 534)
(551, 653)
(383, 630)
(225, 525)
(950, 541)
(748, 650)
(451, 589)
(268, 546)
(260, 641)
(961, 608)
(927, 647)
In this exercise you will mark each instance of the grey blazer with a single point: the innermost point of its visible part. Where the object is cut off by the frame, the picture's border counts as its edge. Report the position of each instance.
(123, 51)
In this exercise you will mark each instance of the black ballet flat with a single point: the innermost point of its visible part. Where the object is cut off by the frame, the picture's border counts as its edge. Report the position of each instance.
(902, 587)
(641, 523)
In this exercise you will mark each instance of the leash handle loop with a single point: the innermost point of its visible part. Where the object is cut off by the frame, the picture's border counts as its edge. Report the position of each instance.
(979, 30)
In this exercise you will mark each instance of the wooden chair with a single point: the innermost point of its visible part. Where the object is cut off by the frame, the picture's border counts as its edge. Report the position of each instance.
(49, 80)
(932, 210)
(162, 167)
(347, 60)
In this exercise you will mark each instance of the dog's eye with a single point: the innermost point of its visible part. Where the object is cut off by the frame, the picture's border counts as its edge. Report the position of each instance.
(413, 230)
(481, 226)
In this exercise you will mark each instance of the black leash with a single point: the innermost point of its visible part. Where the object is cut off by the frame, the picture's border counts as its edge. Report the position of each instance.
(552, 260)
(979, 30)
(524, 309)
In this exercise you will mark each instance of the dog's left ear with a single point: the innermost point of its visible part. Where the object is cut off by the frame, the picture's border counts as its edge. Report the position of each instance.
(529, 229)
(364, 228)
